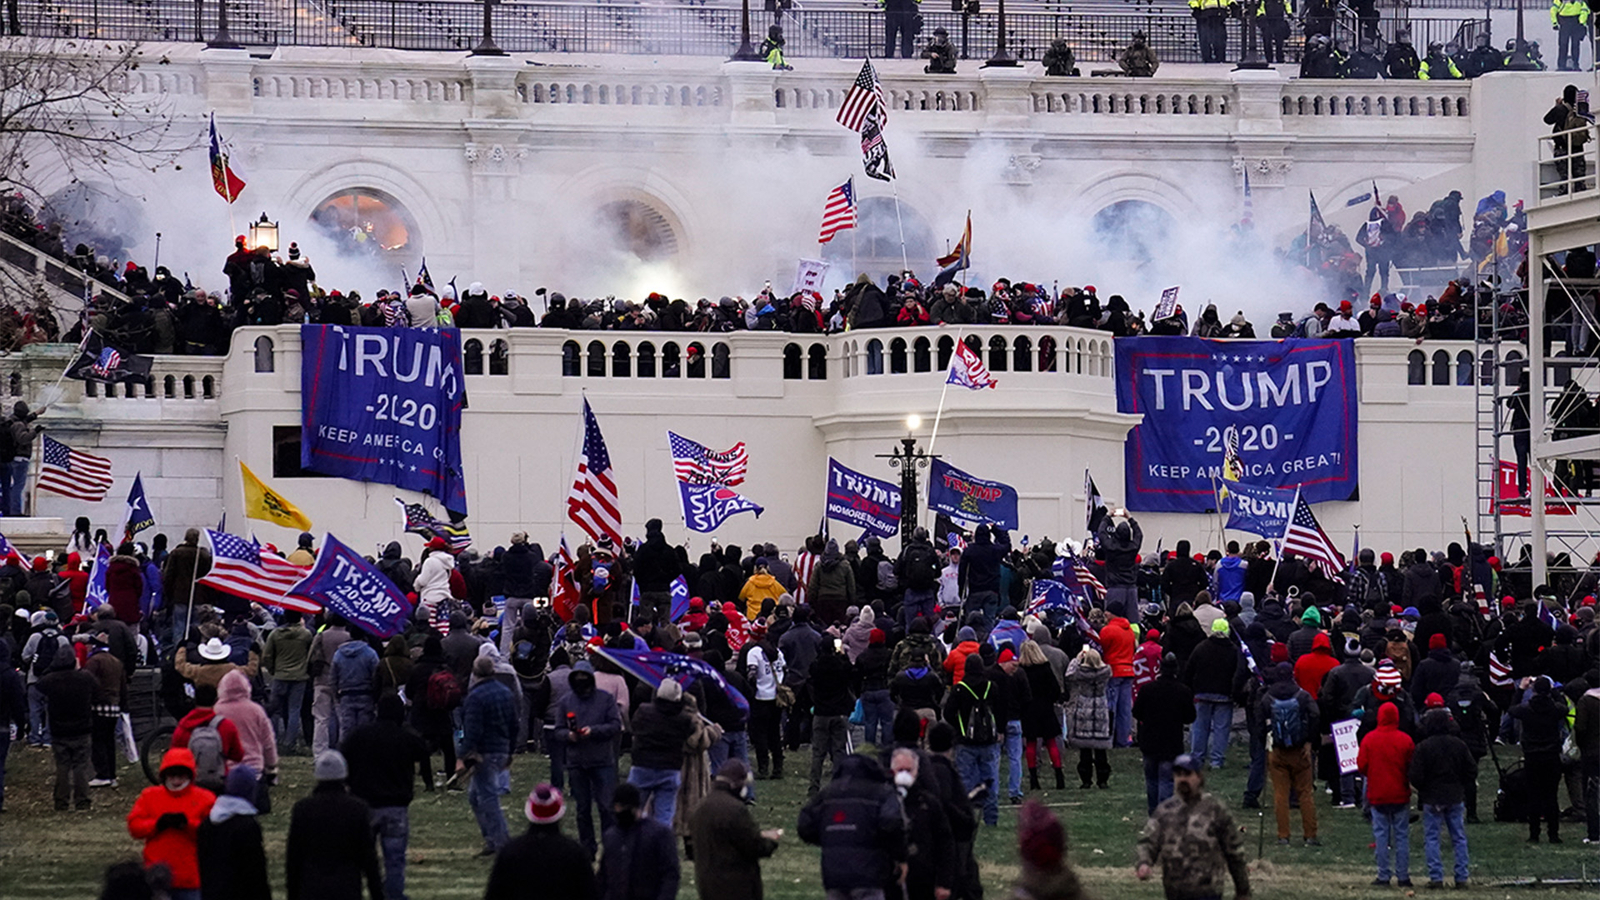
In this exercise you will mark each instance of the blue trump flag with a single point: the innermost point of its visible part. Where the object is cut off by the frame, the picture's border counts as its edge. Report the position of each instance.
(384, 405)
(707, 506)
(96, 595)
(1293, 403)
(862, 500)
(1008, 632)
(679, 589)
(655, 666)
(347, 584)
(968, 499)
(1259, 510)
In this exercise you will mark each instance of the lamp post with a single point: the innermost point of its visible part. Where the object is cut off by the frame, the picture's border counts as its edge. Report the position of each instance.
(1002, 56)
(908, 458)
(222, 40)
(1252, 55)
(747, 51)
(487, 46)
(1520, 60)
(264, 233)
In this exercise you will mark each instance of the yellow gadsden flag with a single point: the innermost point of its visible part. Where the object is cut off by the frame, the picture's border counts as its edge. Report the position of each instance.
(262, 502)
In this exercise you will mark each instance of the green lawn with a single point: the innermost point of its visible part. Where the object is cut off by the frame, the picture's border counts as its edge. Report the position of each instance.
(44, 854)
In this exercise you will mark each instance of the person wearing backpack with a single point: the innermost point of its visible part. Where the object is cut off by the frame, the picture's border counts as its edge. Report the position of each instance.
(211, 739)
(355, 680)
(917, 573)
(37, 655)
(324, 695)
(970, 709)
(1291, 719)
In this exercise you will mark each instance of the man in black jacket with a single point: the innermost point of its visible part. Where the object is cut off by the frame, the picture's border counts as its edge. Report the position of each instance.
(654, 566)
(832, 703)
(1441, 768)
(1211, 672)
(69, 692)
(1542, 717)
(1162, 709)
(1119, 543)
(979, 574)
(383, 757)
(641, 855)
(660, 729)
(1182, 578)
(545, 857)
(329, 852)
(858, 824)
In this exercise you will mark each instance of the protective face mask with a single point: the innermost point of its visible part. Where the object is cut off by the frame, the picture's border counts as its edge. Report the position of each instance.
(904, 778)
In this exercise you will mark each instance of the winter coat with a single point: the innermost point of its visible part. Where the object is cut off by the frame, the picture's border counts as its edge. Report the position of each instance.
(1420, 582)
(256, 740)
(1117, 644)
(13, 692)
(598, 713)
(396, 567)
(232, 746)
(1438, 674)
(1181, 580)
(1281, 686)
(178, 574)
(694, 781)
(760, 587)
(287, 655)
(174, 848)
(330, 851)
(233, 862)
(832, 589)
(1385, 758)
(980, 564)
(1341, 686)
(1163, 710)
(489, 720)
(857, 822)
(639, 862)
(124, 587)
(355, 668)
(1088, 715)
(384, 756)
(1542, 718)
(1039, 719)
(728, 847)
(1119, 546)
(1441, 767)
(1182, 636)
(956, 662)
(1213, 666)
(432, 582)
(208, 672)
(69, 694)
(929, 846)
(545, 857)
(831, 678)
(394, 669)
(661, 728)
(1310, 669)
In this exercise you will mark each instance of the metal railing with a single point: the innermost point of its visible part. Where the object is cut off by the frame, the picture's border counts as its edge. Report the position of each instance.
(1563, 170)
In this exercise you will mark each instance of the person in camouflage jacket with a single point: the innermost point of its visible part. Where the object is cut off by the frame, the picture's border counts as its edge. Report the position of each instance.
(1193, 837)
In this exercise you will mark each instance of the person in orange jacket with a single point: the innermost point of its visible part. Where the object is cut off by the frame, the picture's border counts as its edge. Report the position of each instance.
(167, 817)
(1117, 645)
(955, 661)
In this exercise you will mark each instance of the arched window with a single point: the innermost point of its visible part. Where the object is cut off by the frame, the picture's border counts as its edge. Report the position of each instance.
(817, 363)
(208, 387)
(597, 360)
(921, 355)
(721, 361)
(570, 364)
(792, 368)
(264, 361)
(1441, 368)
(696, 364)
(647, 359)
(1022, 355)
(188, 387)
(499, 358)
(169, 387)
(671, 361)
(997, 354)
(874, 357)
(897, 356)
(947, 349)
(1464, 367)
(1417, 368)
(1486, 370)
(1514, 367)
(15, 383)
(90, 389)
(472, 356)
(621, 360)
(1047, 354)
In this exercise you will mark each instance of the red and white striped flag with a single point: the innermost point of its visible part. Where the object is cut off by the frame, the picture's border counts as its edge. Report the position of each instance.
(592, 503)
(241, 568)
(72, 473)
(1304, 536)
(865, 96)
(839, 211)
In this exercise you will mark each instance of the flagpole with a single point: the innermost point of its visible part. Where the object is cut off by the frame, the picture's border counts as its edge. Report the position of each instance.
(895, 189)
(1283, 537)
(933, 438)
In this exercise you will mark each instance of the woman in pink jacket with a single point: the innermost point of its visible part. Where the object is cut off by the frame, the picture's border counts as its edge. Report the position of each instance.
(254, 727)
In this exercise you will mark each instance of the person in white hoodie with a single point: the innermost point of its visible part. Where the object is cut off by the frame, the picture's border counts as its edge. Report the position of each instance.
(433, 576)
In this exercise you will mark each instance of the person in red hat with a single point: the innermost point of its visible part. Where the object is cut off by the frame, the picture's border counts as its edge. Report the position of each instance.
(432, 582)
(1343, 325)
(1439, 672)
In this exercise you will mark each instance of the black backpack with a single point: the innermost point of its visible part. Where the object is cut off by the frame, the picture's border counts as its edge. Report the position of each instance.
(1511, 800)
(922, 567)
(981, 728)
(44, 654)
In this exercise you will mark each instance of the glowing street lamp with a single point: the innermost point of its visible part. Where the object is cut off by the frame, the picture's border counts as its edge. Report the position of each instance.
(264, 233)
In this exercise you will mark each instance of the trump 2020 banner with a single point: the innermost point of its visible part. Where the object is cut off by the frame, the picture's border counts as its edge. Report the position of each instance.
(863, 500)
(1259, 510)
(384, 405)
(347, 584)
(1293, 403)
(966, 498)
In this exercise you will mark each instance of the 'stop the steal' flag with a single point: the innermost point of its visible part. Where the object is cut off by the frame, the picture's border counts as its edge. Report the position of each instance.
(967, 370)
(384, 405)
(966, 498)
(347, 584)
(707, 506)
(1293, 403)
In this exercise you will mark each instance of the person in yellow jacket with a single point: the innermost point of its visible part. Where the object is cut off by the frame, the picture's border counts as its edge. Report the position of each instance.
(1437, 66)
(758, 588)
(1570, 19)
(1211, 24)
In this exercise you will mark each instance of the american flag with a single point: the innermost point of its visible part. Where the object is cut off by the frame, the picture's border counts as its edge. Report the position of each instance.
(865, 95)
(1232, 462)
(592, 503)
(1499, 672)
(107, 362)
(441, 620)
(874, 150)
(968, 371)
(1070, 568)
(804, 564)
(839, 212)
(1304, 536)
(395, 314)
(1247, 219)
(70, 473)
(699, 464)
(241, 569)
(417, 520)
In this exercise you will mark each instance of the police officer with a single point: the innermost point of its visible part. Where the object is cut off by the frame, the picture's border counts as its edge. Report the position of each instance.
(1211, 24)
(1437, 66)
(899, 16)
(1364, 63)
(1274, 25)
(1570, 19)
(1400, 61)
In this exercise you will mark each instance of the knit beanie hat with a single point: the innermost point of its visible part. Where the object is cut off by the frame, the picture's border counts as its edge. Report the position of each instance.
(1041, 840)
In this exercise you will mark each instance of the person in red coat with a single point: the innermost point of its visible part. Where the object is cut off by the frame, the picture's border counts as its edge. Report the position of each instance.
(167, 818)
(77, 581)
(1117, 646)
(125, 584)
(1384, 757)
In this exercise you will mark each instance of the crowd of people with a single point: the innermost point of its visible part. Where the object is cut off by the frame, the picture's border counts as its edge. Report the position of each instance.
(936, 653)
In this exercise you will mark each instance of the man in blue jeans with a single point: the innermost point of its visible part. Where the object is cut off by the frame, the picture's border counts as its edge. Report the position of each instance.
(383, 757)
(1163, 708)
(971, 710)
(1210, 672)
(661, 728)
(488, 737)
(587, 722)
(1440, 769)
(22, 432)
(1015, 698)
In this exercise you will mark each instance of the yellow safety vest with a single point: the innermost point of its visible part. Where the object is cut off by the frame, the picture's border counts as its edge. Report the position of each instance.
(1567, 9)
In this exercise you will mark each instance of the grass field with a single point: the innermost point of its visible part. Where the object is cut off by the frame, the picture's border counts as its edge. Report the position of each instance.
(45, 854)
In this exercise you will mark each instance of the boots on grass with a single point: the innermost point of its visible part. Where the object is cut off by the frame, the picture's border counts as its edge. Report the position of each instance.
(1061, 779)
(1033, 778)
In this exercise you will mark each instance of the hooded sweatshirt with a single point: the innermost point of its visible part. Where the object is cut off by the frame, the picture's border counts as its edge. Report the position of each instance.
(250, 720)
(354, 668)
(759, 587)
(172, 847)
(1311, 668)
(1385, 758)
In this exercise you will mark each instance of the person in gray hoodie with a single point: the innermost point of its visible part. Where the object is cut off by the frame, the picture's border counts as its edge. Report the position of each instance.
(355, 670)
(587, 721)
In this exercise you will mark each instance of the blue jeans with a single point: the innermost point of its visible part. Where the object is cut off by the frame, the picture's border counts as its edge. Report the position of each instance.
(919, 603)
(1013, 745)
(1119, 696)
(355, 710)
(285, 703)
(1212, 721)
(392, 825)
(879, 712)
(658, 791)
(38, 717)
(490, 781)
(16, 485)
(981, 765)
(1453, 817)
(734, 745)
(591, 790)
(1157, 782)
(986, 602)
(184, 894)
(1391, 826)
